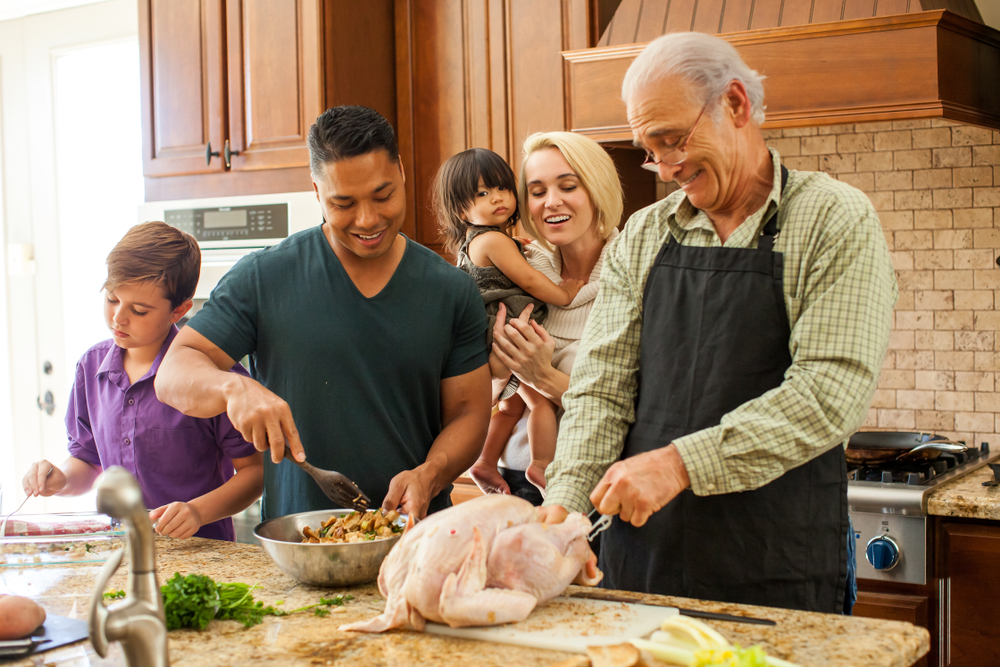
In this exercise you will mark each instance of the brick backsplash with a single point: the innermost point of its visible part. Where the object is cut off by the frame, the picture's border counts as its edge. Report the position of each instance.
(936, 187)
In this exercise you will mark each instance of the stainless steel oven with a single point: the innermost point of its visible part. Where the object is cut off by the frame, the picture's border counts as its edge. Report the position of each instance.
(888, 507)
(229, 228)
(897, 575)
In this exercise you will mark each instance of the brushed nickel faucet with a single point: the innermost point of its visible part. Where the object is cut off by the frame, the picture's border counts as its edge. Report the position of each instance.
(137, 621)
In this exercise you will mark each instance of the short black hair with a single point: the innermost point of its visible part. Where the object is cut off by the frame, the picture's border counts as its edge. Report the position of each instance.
(349, 131)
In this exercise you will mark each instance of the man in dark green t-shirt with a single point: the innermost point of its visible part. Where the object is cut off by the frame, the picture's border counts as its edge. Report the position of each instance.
(367, 350)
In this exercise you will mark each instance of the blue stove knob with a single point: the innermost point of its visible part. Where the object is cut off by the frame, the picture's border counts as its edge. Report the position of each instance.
(882, 553)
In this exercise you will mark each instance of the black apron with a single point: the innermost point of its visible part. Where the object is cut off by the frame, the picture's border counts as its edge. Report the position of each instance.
(714, 336)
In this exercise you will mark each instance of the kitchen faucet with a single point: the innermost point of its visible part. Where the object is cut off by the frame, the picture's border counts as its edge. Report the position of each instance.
(137, 621)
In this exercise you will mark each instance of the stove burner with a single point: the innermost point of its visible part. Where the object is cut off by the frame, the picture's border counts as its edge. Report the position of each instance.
(915, 474)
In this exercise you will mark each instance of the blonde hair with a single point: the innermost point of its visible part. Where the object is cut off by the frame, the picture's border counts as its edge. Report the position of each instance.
(592, 165)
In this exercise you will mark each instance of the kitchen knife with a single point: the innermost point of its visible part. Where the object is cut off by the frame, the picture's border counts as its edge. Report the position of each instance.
(694, 613)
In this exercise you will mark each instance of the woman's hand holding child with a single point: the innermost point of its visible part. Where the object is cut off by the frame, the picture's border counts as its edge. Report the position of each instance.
(524, 346)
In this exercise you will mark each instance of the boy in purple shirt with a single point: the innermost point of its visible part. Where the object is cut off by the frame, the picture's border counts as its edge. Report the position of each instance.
(184, 465)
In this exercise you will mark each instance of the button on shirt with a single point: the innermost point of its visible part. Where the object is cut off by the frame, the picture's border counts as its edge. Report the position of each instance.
(112, 422)
(839, 292)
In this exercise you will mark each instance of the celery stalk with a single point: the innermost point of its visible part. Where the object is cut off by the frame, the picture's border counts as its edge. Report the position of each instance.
(665, 652)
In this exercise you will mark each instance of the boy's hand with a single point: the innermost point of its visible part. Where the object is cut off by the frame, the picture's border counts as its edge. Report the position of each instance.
(43, 479)
(178, 520)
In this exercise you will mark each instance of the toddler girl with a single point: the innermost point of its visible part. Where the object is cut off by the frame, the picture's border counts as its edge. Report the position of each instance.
(475, 197)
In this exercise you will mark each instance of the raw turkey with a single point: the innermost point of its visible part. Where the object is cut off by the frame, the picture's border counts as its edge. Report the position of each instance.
(487, 561)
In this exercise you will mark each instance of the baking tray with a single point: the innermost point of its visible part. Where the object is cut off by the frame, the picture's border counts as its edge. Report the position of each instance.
(59, 539)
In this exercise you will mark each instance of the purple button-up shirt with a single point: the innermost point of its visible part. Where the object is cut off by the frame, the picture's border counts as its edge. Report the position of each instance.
(112, 422)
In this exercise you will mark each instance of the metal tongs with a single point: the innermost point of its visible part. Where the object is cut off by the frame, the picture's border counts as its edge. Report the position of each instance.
(601, 525)
(335, 486)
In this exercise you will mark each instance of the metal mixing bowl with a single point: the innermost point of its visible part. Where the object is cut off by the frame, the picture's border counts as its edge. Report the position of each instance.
(326, 564)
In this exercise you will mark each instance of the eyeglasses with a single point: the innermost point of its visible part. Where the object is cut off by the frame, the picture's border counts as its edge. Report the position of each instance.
(676, 153)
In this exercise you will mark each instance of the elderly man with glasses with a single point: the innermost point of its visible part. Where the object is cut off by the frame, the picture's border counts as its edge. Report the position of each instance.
(734, 347)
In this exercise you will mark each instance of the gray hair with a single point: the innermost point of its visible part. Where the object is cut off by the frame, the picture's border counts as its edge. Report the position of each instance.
(708, 62)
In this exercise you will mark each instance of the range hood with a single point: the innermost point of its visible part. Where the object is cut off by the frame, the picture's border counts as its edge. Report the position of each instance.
(942, 63)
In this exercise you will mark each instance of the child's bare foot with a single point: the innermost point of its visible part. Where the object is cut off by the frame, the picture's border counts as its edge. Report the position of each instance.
(488, 478)
(536, 475)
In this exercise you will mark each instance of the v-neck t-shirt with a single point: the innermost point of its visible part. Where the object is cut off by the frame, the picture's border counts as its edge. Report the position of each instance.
(361, 375)
(111, 421)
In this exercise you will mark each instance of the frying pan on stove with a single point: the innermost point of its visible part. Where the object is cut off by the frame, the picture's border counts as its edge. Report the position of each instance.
(875, 447)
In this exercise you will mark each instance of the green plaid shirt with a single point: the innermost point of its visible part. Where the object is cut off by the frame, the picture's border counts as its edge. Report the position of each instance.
(840, 289)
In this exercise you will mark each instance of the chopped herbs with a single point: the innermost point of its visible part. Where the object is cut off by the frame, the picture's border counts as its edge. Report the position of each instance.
(193, 601)
(190, 602)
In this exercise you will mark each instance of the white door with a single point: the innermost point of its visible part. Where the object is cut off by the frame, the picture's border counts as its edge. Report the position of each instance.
(72, 179)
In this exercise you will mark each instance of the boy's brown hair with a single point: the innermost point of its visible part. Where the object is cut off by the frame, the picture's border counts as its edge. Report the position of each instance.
(156, 252)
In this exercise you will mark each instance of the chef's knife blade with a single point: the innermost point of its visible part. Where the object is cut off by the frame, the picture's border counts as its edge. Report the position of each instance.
(694, 613)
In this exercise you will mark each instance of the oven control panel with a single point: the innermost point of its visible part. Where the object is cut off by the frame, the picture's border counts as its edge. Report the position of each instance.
(891, 547)
(231, 223)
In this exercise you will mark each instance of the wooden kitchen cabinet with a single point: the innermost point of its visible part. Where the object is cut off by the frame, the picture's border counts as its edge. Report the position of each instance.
(970, 567)
(255, 74)
(901, 602)
(182, 61)
(275, 77)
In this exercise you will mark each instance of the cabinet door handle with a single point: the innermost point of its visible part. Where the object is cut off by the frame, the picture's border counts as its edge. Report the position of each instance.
(209, 153)
(227, 154)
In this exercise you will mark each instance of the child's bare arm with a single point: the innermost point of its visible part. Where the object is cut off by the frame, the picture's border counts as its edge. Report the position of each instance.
(182, 520)
(502, 252)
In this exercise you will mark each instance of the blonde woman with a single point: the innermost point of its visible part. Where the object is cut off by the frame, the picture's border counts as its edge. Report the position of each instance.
(571, 202)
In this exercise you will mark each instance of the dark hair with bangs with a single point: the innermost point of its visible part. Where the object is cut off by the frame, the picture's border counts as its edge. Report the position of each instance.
(349, 131)
(158, 253)
(456, 186)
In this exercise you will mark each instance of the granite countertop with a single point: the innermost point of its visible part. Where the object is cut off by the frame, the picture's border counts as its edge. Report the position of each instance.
(808, 639)
(966, 496)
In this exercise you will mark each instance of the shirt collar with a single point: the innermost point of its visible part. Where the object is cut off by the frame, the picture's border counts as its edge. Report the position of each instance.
(114, 360)
(683, 217)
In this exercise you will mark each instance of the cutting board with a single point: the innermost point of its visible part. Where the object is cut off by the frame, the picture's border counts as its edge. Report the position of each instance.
(569, 624)
(59, 631)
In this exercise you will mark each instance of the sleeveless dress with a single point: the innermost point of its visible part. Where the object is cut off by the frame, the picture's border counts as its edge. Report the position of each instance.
(495, 287)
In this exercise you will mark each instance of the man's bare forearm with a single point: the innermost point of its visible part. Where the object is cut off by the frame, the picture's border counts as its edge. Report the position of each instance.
(454, 451)
(466, 419)
(191, 382)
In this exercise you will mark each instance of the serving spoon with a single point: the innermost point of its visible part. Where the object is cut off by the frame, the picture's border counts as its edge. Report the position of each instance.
(335, 486)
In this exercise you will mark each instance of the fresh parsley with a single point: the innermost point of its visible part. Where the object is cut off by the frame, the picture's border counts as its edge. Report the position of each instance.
(193, 601)
(190, 602)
